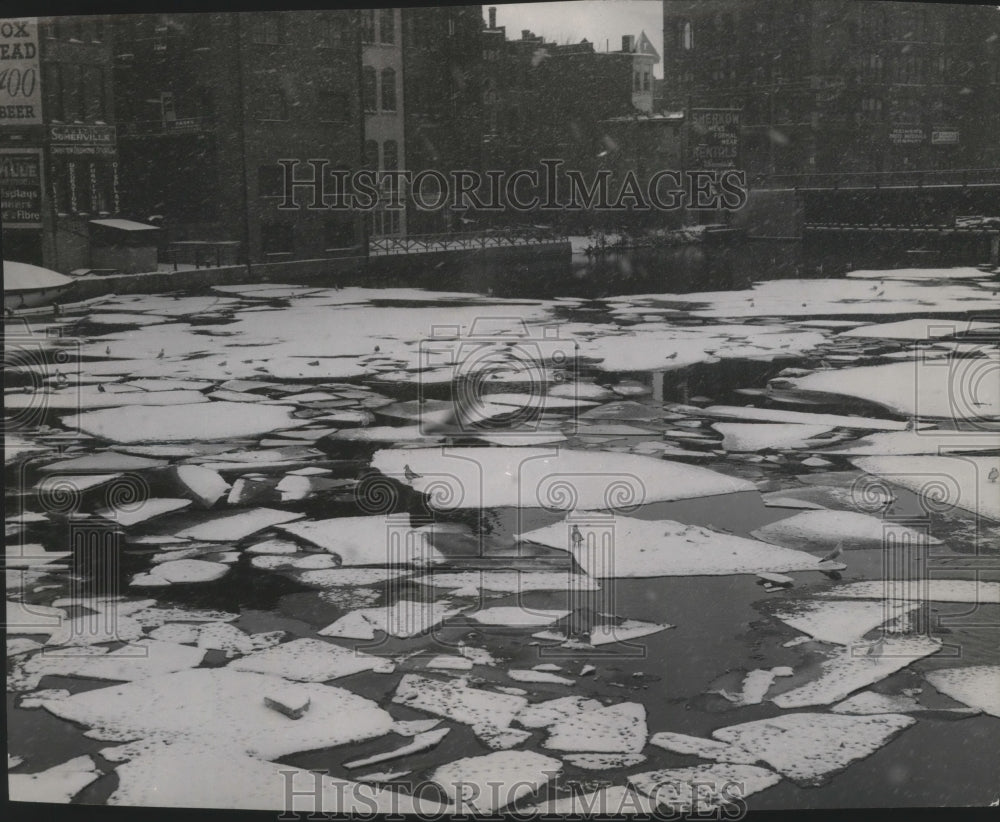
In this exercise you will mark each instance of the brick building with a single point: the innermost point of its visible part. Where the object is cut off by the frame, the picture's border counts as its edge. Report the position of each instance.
(841, 85)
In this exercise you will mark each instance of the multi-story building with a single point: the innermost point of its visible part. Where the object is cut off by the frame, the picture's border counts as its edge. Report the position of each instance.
(210, 103)
(842, 85)
(58, 157)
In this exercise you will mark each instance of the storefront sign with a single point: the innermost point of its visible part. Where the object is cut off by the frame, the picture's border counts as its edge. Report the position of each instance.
(906, 136)
(92, 140)
(945, 137)
(21, 188)
(20, 83)
(714, 138)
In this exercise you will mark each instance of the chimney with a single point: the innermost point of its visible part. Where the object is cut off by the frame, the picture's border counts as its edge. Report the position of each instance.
(627, 42)
(493, 17)
(525, 34)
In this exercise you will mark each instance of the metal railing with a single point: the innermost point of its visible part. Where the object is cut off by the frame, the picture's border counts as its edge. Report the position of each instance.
(953, 178)
(425, 243)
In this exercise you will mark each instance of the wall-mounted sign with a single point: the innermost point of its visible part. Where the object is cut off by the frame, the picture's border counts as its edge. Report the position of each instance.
(82, 139)
(906, 135)
(714, 138)
(21, 188)
(944, 137)
(20, 83)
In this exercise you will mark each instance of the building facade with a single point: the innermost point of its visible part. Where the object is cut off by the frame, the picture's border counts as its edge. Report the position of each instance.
(58, 150)
(842, 85)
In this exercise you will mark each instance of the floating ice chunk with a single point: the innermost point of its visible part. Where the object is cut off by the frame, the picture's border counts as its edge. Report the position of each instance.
(613, 801)
(701, 788)
(536, 477)
(273, 546)
(386, 433)
(605, 762)
(412, 727)
(665, 548)
(342, 577)
(225, 709)
(500, 739)
(542, 677)
(21, 645)
(139, 660)
(749, 412)
(614, 729)
(184, 633)
(935, 590)
(824, 530)
(144, 510)
(450, 663)
(22, 618)
(290, 700)
(29, 555)
(201, 421)
(509, 581)
(961, 482)
(404, 618)
(203, 484)
(581, 390)
(421, 742)
(808, 748)
(917, 443)
(106, 625)
(221, 636)
(59, 784)
(922, 329)
(776, 500)
(484, 784)
(199, 776)
(977, 686)
(854, 668)
(105, 462)
(869, 702)
(624, 631)
(354, 625)
(181, 571)
(458, 701)
(842, 623)
(306, 660)
(516, 615)
(372, 540)
(60, 484)
(234, 527)
(544, 714)
(701, 747)
(82, 397)
(760, 436)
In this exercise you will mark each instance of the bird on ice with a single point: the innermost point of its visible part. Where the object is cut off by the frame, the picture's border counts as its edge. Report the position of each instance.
(162, 354)
(834, 554)
(410, 474)
(575, 535)
(994, 473)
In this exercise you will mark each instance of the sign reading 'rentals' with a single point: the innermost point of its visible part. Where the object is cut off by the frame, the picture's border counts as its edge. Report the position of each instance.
(20, 86)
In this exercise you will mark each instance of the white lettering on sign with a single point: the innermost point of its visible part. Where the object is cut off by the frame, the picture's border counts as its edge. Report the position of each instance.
(20, 85)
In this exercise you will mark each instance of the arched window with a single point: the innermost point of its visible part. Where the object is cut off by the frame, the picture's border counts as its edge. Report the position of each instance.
(688, 36)
(369, 92)
(388, 89)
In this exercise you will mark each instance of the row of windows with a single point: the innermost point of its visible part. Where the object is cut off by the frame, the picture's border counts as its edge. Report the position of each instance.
(371, 84)
(75, 93)
(269, 28)
(642, 80)
(272, 103)
(386, 26)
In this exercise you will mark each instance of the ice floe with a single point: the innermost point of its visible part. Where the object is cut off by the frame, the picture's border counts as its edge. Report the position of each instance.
(484, 784)
(760, 436)
(516, 615)
(613, 729)
(824, 530)
(421, 742)
(559, 479)
(58, 784)
(404, 618)
(809, 748)
(234, 527)
(977, 686)
(703, 748)
(306, 660)
(181, 571)
(922, 590)
(540, 677)
(643, 548)
(144, 510)
(509, 581)
(612, 801)
(371, 540)
(703, 788)
(458, 701)
(842, 623)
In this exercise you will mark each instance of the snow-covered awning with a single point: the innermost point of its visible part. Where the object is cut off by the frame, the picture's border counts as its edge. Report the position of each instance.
(124, 225)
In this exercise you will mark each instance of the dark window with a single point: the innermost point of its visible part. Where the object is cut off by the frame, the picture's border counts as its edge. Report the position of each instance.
(388, 89)
(268, 28)
(340, 231)
(270, 181)
(368, 25)
(52, 88)
(370, 160)
(369, 89)
(277, 238)
(93, 94)
(272, 105)
(387, 25)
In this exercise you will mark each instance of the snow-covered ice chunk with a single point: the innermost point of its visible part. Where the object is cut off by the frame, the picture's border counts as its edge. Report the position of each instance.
(59, 784)
(544, 714)
(703, 748)
(200, 421)
(371, 540)
(841, 622)
(234, 527)
(749, 412)
(404, 618)
(509, 581)
(961, 482)
(559, 479)
(541, 677)
(702, 788)
(450, 662)
(852, 669)
(824, 530)
(458, 701)
(808, 748)
(484, 784)
(306, 660)
(516, 615)
(896, 443)
(613, 729)
(421, 742)
(22, 618)
(645, 548)
(977, 686)
(203, 484)
(934, 590)
(922, 329)
(624, 631)
(222, 636)
(105, 462)
(605, 762)
(144, 510)
(181, 571)
(613, 801)
(739, 436)
(225, 709)
(290, 700)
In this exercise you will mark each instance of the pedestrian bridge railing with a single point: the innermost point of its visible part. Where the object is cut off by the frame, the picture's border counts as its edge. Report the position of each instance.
(424, 243)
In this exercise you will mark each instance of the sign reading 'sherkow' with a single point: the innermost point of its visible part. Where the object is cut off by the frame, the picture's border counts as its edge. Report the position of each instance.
(714, 140)
(20, 83)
